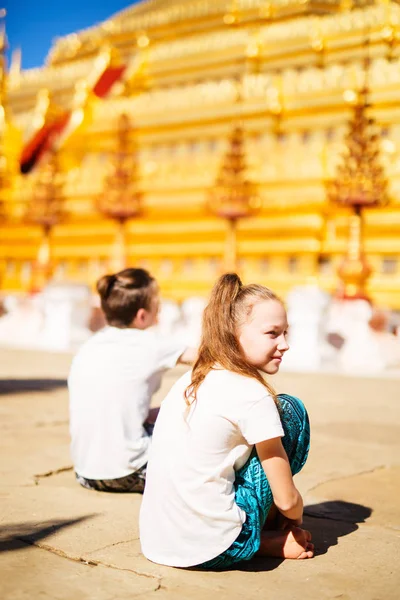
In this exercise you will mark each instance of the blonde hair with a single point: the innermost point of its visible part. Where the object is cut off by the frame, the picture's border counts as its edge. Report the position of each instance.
(230, 305)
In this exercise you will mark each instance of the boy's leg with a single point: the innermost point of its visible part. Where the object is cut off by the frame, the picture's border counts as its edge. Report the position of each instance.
(132, 483)
(152, 415)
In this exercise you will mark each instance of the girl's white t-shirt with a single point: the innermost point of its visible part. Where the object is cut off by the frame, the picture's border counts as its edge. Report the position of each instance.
(188, 513)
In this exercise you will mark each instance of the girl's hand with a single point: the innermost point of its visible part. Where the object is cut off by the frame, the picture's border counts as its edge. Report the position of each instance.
(285, 523)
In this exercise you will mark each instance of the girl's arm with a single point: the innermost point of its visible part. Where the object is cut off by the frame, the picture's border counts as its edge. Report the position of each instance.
(276, 466)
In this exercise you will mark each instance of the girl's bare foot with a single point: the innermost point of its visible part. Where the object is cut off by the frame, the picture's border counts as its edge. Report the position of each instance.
(293, 543)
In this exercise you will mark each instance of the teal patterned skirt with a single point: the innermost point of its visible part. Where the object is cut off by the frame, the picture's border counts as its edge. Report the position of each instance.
(252, 490)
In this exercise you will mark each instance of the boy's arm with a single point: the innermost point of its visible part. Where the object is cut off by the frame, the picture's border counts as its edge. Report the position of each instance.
(276, 466)
(188, 357)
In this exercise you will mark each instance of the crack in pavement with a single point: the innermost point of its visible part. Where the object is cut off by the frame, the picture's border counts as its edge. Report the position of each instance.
(40, 476)
(89, 562)
(114, 544)
(50, 423)
(322, 436)
(340, 477)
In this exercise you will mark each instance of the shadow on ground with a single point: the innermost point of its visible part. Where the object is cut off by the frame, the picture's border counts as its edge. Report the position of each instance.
(18, 386)
(330, 520)
(327, 521)
(11, 536)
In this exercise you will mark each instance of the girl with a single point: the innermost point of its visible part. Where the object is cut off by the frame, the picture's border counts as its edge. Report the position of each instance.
(220, 477)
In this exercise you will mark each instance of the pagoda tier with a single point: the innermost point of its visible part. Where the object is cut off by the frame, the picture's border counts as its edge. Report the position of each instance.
(295, 64)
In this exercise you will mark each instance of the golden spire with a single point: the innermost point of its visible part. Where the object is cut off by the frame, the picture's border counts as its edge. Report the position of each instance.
(121, 197)
(46, 209)
(360, 180)
(360, 183)
(233, 196)
(46, 205)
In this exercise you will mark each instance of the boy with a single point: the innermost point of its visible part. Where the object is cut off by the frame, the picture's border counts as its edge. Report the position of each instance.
(111, 382)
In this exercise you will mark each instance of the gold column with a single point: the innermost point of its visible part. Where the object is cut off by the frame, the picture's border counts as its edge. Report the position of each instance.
(42, 269)
(119, 256)
(230, 256)
(354, 270)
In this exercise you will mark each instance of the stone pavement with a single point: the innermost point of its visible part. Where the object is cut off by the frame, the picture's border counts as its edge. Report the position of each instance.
(59, 541)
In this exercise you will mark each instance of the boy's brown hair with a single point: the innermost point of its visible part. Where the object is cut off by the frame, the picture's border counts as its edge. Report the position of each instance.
(124, 293)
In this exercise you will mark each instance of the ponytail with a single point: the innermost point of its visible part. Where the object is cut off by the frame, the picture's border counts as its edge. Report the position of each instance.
(219, 344)
(219, 315)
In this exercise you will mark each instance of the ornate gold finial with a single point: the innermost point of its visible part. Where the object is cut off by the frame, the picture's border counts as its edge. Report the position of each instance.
(138, 79)
(233, 196)
(232, 17)
(390, 31)
(254, 51)
(317, 41)
(266, 11)
(360, 183)
(142, 40)
(121, 197)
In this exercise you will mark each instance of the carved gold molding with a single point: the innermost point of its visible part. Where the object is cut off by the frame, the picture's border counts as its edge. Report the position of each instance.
(275, 41)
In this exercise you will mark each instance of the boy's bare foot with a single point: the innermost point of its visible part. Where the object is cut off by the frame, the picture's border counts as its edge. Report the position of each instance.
(293, 543)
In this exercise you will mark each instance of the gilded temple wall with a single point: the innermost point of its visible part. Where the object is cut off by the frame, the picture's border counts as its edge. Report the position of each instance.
(182, 96)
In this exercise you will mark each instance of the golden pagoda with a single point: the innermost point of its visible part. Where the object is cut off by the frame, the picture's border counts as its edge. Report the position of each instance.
(172, 67)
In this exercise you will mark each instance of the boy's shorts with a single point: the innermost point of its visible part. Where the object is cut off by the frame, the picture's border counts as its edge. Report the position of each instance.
(134, 482)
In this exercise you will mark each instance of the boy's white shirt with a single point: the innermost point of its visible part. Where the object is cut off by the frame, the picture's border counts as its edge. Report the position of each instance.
(111, 381)
(188, 513)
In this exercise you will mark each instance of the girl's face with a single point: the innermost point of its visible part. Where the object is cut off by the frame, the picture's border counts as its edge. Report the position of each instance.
(263, 336)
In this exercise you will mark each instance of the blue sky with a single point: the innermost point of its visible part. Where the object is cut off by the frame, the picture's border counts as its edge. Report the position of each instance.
(34, 25)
